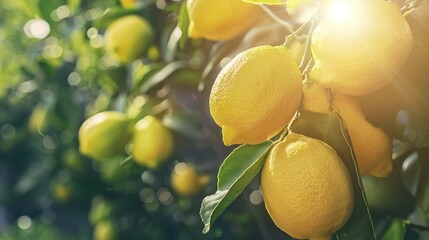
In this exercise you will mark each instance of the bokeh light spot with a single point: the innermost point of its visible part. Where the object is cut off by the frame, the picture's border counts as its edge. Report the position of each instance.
(7, 131)
(24, 222)
(37, 28)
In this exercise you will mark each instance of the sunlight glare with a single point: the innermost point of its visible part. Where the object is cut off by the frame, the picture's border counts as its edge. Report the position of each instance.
(341, 11)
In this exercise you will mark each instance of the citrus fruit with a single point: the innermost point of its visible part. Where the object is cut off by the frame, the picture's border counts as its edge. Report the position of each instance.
(104, 135)
(220, 19)
(256, 95)
(130, 3)
(61, 191)
(128, 38)
(360, 46)
(307, 188)
(152, 142)
(372, 146)
(39, 119)
(105, 230)
(185, 180)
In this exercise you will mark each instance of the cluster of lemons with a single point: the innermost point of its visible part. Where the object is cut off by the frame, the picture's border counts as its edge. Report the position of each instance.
(107, 134)
(306, 186)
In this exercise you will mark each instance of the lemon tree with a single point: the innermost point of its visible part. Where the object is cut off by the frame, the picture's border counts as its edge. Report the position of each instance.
(114, 116)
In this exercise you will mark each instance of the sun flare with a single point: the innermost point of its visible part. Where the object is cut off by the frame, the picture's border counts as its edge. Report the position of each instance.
(341, 11)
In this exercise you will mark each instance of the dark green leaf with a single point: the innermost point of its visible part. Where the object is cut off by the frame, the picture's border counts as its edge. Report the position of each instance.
(182, 122)
(331, 130)
(163, 74)
(46, 7)
(238, 169)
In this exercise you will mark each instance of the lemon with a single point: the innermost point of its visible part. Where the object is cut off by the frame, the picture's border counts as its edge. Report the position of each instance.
(185, 180)
(62, 192)
(152, 142)
(256, 95)
(128, 38)
(131, 3)
(360, 47)
(307, 188)
(104, 135)
(220, 19)
(39, 119)
(105, 230)
(372, 146)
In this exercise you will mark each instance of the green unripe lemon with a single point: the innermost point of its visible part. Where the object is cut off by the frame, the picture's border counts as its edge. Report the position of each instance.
(128, 38)
(104, 135)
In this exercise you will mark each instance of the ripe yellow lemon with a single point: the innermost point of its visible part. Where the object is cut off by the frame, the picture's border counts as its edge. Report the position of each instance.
(307, 188)
(128, 38)
(256, 95)
(131, 3)
(185, 180)
(220, 19)
(152, 142)
(372, 146)
(104, 135)
(360, 46)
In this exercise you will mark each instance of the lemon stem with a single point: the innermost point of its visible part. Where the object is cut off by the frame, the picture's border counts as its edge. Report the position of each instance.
(126, 161)
(307, 52)
(410, 5)
(293, 35)
(276, 18)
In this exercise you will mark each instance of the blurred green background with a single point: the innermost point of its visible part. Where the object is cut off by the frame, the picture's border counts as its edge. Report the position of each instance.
(55, 73)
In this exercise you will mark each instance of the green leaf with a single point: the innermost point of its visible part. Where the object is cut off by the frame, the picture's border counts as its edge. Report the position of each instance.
(112, 14)
(396, 230)
(163, 74)
(331, 130)
(46, 7)
(183, 24)
(237, 171)
(74, 5)
(182, 122)
(269, 2)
